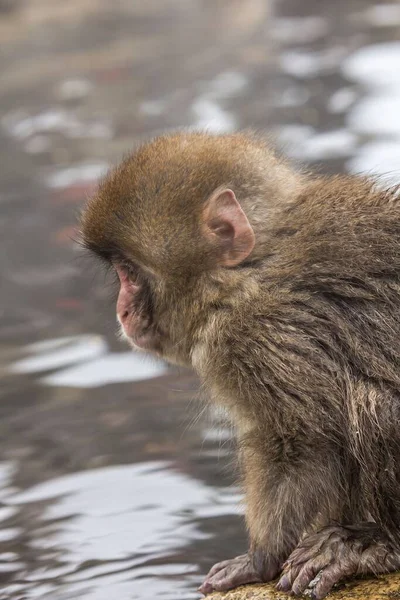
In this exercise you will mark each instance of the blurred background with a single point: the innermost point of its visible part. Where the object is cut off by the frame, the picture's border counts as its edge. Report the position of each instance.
(114, 482)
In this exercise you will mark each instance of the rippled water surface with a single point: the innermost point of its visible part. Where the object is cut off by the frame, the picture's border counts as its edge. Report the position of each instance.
(114, 480)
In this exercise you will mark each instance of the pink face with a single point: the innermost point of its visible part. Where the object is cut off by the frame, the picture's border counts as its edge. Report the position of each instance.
(135, 323)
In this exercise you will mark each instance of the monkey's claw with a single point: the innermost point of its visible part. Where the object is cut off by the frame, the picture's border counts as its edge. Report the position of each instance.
(334, 554)
(229, 574)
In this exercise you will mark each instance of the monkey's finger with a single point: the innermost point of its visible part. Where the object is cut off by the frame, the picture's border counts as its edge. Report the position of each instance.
(285, 583)
(307, 573)
(331, 575)
(304, 552)
(298, 557)
(230, 578)
(289, 574)
(218, 567)
(315, 544)
(205, 588)
(219, 581)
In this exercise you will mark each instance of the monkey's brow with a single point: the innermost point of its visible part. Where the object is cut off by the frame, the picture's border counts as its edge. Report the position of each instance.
(104, 253)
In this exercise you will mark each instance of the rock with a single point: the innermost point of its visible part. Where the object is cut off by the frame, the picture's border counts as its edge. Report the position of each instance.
(380, 588)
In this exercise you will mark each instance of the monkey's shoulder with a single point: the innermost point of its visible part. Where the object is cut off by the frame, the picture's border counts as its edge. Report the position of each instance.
(342, 228)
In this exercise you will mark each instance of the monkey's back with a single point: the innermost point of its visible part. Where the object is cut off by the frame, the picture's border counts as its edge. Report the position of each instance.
(342, 257)
(323, 339)
(338, 248)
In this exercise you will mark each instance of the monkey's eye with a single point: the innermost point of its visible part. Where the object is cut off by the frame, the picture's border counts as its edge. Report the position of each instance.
(128, 268)
(132, 270)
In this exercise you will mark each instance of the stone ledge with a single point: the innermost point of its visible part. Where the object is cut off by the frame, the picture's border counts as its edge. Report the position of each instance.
(386, 587)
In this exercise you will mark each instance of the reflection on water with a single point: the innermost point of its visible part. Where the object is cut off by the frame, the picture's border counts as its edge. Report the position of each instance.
(93, 365)
(114, 482)
(376, 115)
(207, 111)
(113, 524)
(52, 354)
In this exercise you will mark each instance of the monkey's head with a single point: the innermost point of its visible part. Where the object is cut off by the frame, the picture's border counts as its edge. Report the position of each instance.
(177, 220)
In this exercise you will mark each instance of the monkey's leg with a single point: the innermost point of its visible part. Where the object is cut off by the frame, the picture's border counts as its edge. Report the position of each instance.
(338, 552)
(257, 565)
(278, 511)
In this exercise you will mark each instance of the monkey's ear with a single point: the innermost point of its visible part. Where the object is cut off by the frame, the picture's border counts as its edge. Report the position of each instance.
(227, 226)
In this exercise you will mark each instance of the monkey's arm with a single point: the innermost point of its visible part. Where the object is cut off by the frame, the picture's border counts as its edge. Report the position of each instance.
(290, 411)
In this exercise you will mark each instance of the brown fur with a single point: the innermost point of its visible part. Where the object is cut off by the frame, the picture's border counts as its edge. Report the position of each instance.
(300, 342)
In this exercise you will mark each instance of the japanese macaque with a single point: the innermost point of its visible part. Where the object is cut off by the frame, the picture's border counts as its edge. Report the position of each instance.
(282, 290)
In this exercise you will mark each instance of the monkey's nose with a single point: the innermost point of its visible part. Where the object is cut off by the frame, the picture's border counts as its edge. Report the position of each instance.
(123, 316)
(124, 305)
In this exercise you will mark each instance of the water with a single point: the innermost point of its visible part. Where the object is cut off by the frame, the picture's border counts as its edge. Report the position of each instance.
(118, 524)
(84, 361)
(114, 481)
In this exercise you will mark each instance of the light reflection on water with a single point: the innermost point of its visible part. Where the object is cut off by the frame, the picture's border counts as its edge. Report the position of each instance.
(110, 524)
(376, 114)
(84, 361)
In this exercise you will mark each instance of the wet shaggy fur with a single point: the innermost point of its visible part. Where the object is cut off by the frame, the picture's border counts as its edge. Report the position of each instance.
(301, 342)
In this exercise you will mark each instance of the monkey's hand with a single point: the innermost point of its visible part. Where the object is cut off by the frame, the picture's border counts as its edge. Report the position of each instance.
(337, 552)
(246, 568)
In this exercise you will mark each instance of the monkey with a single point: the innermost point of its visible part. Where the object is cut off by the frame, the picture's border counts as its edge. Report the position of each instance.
(281, 289)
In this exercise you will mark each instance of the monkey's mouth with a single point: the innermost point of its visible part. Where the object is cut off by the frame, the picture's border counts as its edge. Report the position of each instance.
(145, 340)
(142, 336)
